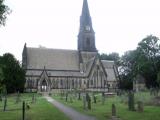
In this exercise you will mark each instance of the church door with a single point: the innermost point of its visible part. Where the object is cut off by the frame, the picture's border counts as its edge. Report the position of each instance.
(44, 86)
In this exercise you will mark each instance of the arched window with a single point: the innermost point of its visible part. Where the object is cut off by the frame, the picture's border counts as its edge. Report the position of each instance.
(91, 81)
(61, 83)
(80, 83)
(72, 83)
(101, 78)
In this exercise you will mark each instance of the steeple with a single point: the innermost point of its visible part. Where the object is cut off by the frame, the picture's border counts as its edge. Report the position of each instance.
(86, 36)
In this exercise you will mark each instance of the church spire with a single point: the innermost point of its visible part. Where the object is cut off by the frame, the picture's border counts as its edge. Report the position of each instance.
(85, 19)
(86, 36)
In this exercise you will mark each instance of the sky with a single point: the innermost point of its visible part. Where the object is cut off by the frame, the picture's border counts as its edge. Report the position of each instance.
(119, 25)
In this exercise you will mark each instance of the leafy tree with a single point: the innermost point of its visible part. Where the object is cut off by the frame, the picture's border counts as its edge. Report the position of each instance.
(149, 59)
(4, 11)
(14, 75)
(127, 70)
(145, 61)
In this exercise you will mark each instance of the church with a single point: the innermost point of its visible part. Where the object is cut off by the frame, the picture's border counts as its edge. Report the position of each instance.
(49, 70)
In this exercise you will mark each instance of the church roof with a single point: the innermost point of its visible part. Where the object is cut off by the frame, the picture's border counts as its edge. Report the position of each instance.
(55, 73)
(110, 69)
(57, 59)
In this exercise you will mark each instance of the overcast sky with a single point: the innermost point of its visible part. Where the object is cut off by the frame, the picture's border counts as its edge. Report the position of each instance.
(119, 24)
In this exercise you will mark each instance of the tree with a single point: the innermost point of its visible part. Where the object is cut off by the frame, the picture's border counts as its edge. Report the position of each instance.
(127, 70)
(14, 75)
(149, 59)
(4, 11)
(144, 61)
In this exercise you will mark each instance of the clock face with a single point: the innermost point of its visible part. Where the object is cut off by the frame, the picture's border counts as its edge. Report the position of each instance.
(87, 28)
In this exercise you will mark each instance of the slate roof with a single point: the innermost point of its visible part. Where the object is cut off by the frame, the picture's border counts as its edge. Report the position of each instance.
(62, 63)
(55, 73)
(57, 59)
(110, 69)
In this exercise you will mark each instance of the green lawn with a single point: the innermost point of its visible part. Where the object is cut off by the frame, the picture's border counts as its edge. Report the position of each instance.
(41, 110)
(102, 112)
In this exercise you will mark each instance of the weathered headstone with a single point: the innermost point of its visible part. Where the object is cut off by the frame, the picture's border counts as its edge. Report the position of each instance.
(95, 99)
(66, 96)
(140, 107)
(131, 101)
(103, 98)
(71, 98)
(27, 106)
(113, 110)
(5, 103)
(18, 97)
(33, 98)
(88, 98)
(84, 102)
(79, 96)
(23, 110)
(50, 94)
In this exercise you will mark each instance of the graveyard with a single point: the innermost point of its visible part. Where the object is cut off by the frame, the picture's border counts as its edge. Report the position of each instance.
(102, 107)
(36, 108)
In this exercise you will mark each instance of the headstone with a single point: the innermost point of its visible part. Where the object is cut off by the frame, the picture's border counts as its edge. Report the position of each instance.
(103, 98)
(88, 98)
(79, 96)
(33, 98)
(5, 103)
(71, 98)
(113, 110)
(131, 101)
(27, 106)
(18, 97)
(95, 99)
(140, 106)
(23, 111)
(84, 101)
(50, 94)
(66, 96)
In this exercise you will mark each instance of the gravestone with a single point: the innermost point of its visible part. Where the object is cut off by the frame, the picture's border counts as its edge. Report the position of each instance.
(27, 106)
(88, 98)
(18, 97)
(66, 96)
(23, 110)
(103, 98)
(131, 101)
(5, 103)
(113, 110)
(33, 98)
(79, 96)
(140, 107)
(71, 98)
(95, 99)
(84, 102)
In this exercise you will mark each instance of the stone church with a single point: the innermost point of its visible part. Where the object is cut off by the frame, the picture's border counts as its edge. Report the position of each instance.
(49, 70)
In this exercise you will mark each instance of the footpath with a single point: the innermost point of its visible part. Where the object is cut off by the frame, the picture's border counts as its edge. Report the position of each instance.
(70, 112)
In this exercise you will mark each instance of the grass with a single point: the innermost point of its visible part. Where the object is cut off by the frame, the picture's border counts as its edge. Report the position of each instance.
(103, 112)
(41, 110)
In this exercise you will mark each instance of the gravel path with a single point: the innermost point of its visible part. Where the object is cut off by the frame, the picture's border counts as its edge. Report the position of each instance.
(71, 113)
